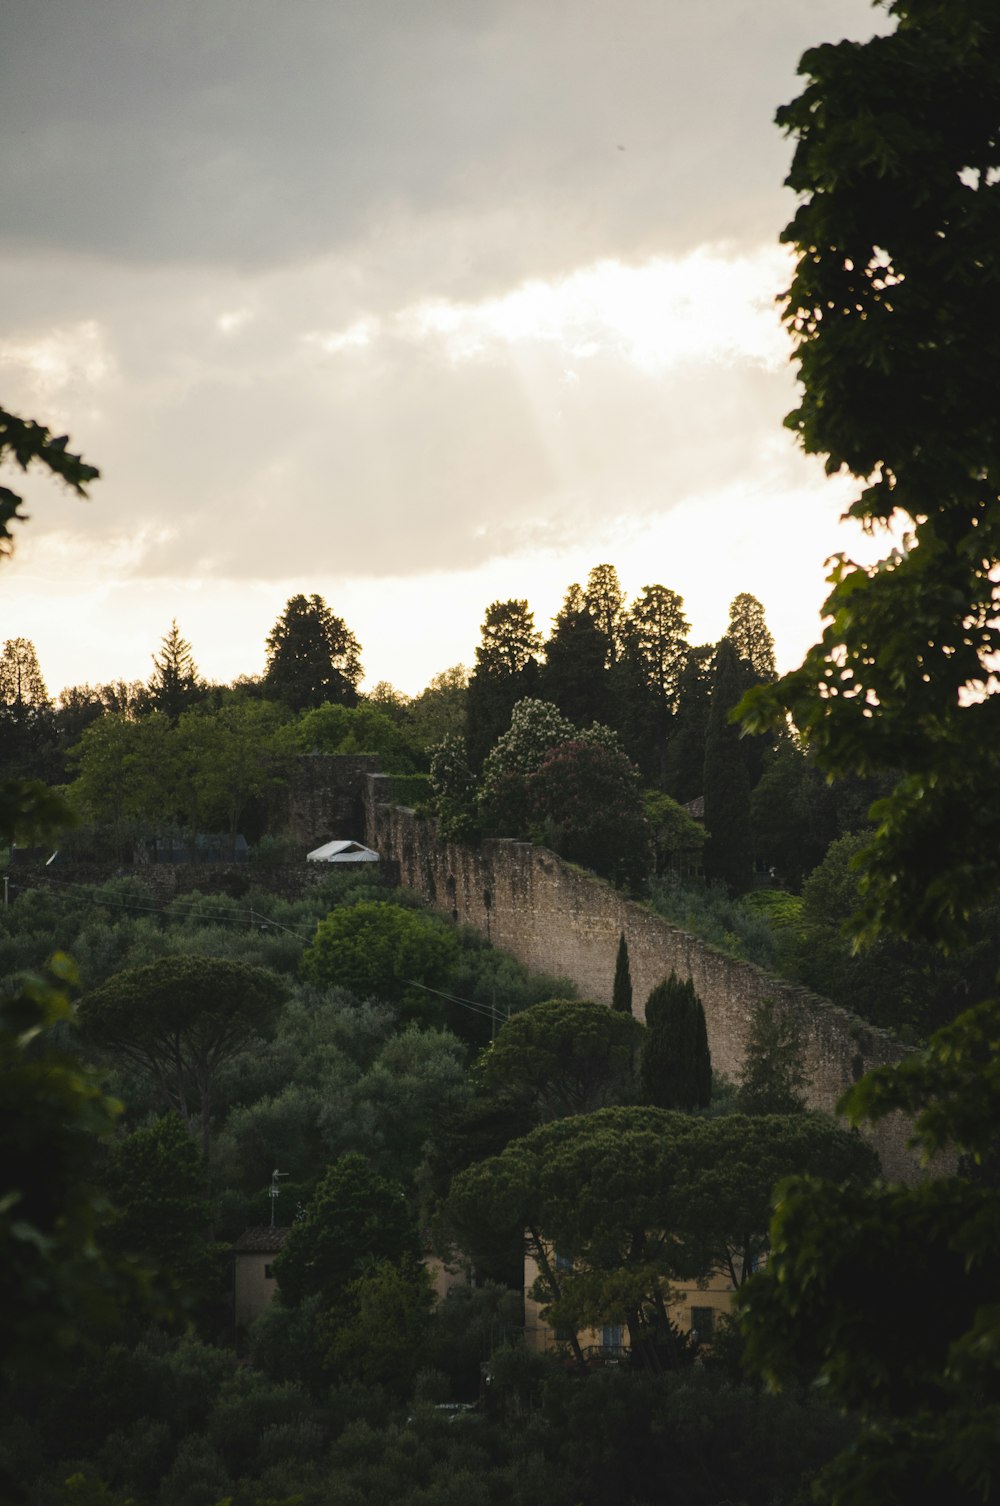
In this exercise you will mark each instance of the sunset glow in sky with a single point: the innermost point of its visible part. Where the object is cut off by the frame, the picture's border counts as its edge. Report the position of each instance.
(416, 307)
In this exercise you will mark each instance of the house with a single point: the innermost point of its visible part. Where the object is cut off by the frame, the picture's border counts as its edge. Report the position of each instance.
(254, 1284)
(253, 1276)
(695, 1310)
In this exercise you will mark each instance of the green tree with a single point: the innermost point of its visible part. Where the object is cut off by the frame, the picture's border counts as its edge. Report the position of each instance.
(155, 1179)
(598, 1189)
(179, 1020)
(773, 1074)
(749, 635)
(585, 801)
(53, 1117)
(312, 656)
(574, 675)
(684, 774)
(893, 308)
(676, 1067)
(230, 758)
(621, 993)
(353, 729)
(175, 684)
(535, 727)
(385, 698)
(379, 950)
(27, 727)
(77, 706)
(454, 787)
(793, 816)
(928, 1392)
(355, 1220)
(506, 671)
(729, 852)
(22, 688)
(604, 599)
(439, 710)
(566, 1056)
(678, 839)
(659, 628)
(28, 810)
(633, 1198)
(731, 1167)
(379, 1331)
(126, 775)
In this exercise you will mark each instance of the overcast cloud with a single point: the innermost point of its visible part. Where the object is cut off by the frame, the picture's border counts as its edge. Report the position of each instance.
(344, 295)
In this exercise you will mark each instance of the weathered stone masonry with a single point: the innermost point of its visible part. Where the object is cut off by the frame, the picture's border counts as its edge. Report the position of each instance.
(556, 918)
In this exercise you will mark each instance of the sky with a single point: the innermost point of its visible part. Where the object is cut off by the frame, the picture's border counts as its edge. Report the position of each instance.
(415, 306)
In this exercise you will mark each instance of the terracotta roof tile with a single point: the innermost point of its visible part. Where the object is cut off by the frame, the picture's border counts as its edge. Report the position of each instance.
(260, 1240)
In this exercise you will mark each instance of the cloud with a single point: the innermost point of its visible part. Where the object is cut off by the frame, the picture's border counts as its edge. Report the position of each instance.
(502, 139)
(248, 436)
(362, 292)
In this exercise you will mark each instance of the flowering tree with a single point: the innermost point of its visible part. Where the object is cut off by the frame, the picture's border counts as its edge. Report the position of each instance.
(587, 803)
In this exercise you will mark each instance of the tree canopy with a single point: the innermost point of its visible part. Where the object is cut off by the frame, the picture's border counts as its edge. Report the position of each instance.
(22, 687)
(749, 635)
(676, 1069)
(175, 684)
(895, 313)
(566, 1056)
(380, 950)
(632, 1198)
(312, 656)
(53, 1117)
(354, 1220)
(178, 1020)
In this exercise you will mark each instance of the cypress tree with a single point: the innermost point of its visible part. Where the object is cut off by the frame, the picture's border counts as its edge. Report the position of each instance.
(729, 854)
(621, 994)
(676, 1067)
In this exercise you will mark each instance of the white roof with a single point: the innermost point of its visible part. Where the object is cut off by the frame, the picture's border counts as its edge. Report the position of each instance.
(342, 851)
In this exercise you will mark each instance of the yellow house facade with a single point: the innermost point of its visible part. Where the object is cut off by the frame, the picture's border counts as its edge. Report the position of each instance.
(695, 1309)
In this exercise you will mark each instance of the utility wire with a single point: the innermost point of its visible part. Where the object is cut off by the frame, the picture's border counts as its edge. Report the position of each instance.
(476, 1004)
(252, 917)
(170, 910)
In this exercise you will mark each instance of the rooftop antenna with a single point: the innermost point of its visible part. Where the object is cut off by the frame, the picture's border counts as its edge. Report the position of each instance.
(274, 1192)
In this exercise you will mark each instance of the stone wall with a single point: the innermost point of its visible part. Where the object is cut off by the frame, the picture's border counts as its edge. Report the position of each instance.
(324, 799)
(556, 918)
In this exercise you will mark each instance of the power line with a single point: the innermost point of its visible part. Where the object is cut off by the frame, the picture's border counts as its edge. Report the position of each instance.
(489, 1010)
(170, 910)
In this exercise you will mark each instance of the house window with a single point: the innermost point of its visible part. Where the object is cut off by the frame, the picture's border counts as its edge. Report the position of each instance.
(702, 1324)
(613, 1336)
(268, 1273)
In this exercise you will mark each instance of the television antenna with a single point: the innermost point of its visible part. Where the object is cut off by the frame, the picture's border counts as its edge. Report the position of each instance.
(275, 1191)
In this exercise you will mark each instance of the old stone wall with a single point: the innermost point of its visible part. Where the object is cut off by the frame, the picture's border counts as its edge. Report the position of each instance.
(556, 918)
(324, 798)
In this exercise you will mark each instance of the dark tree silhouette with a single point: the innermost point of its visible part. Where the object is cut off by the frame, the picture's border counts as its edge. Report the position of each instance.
(312, 657)
(621, 993)
(506, 672)
(573, 676)
(676, 1067)
(749, 635)
(175, 685)
(729, 853)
